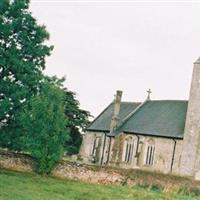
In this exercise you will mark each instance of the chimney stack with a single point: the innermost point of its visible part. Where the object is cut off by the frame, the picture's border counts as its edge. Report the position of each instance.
(115, 116)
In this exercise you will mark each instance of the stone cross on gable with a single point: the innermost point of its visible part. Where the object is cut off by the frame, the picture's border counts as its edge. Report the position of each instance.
(149, 94)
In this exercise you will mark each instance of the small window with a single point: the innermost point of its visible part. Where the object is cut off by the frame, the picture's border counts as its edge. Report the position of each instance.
(150, 155)
(129, 152)
(129, 146)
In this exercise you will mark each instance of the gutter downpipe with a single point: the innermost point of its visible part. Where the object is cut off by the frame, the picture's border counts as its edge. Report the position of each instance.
(173, 154)
(104, 143)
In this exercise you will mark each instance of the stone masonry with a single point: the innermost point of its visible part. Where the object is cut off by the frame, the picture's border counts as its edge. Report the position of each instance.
(190, 162)
(176, 154)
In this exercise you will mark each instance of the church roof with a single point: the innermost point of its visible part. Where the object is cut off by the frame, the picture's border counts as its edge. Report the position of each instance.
(164, 118)
(158, 118)
(102, 122)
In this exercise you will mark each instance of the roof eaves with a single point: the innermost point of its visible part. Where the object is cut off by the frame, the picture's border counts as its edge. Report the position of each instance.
(94, 130)
(153, 135)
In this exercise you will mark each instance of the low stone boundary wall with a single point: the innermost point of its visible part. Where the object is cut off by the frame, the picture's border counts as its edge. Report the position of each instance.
(65, 169)
(15, 161)
(86, 173)
(102, 175)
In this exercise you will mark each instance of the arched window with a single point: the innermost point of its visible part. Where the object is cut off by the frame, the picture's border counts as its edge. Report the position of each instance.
(150, 153)
(129, 147)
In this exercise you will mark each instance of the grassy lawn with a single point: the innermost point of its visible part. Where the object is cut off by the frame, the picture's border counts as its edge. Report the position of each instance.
(24, 186)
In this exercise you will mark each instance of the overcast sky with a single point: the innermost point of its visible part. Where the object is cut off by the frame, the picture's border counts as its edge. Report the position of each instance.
(102, 47)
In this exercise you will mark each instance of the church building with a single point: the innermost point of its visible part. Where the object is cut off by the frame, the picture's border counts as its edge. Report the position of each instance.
(159, 135)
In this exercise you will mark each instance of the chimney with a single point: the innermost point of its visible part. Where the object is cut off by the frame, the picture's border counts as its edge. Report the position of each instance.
(115, 116)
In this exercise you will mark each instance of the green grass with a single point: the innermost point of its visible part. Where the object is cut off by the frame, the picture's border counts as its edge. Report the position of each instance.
(25, 186)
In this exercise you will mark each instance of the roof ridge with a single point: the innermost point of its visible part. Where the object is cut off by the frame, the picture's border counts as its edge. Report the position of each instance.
(131, 114)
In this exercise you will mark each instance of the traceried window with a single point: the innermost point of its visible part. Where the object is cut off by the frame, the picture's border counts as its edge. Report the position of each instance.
(150, 154)
(129, 147)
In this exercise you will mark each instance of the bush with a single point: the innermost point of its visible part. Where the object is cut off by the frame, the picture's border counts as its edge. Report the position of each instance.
(44, 126)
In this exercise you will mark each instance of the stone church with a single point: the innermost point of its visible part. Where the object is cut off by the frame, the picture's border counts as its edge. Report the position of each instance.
(160, 135)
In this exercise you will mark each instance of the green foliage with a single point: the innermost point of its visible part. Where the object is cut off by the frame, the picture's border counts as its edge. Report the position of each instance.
(44, 128)
(77, 118)
(37, 113)
(22, 59)
(78, 121)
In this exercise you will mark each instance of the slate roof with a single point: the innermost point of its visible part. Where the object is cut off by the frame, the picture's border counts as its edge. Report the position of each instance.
(164, 118)
(158, 118)
(102, 122)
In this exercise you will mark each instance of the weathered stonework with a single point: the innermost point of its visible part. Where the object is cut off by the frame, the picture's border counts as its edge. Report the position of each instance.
(164, 161)
(190, 161)
(13, 161)
(104, 175)
(101, 175)
(116, 152)
(87, 174)
(162, 158)
(165, 150)
(68, 170)
(87, 145)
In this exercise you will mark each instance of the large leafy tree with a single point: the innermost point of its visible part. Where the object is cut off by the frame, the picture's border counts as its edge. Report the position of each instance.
(78, 119)
(37, 113)
(22, 59)
(44, 124)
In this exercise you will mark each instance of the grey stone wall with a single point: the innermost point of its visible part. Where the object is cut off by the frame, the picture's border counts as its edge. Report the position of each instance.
(163, 154)
(87, 146)
(190, 161)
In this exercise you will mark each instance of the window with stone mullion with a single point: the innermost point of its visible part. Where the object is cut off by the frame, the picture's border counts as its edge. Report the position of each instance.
(150, 155)
(128, 152)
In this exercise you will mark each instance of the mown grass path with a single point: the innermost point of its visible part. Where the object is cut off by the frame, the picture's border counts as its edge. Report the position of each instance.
(24, 186)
